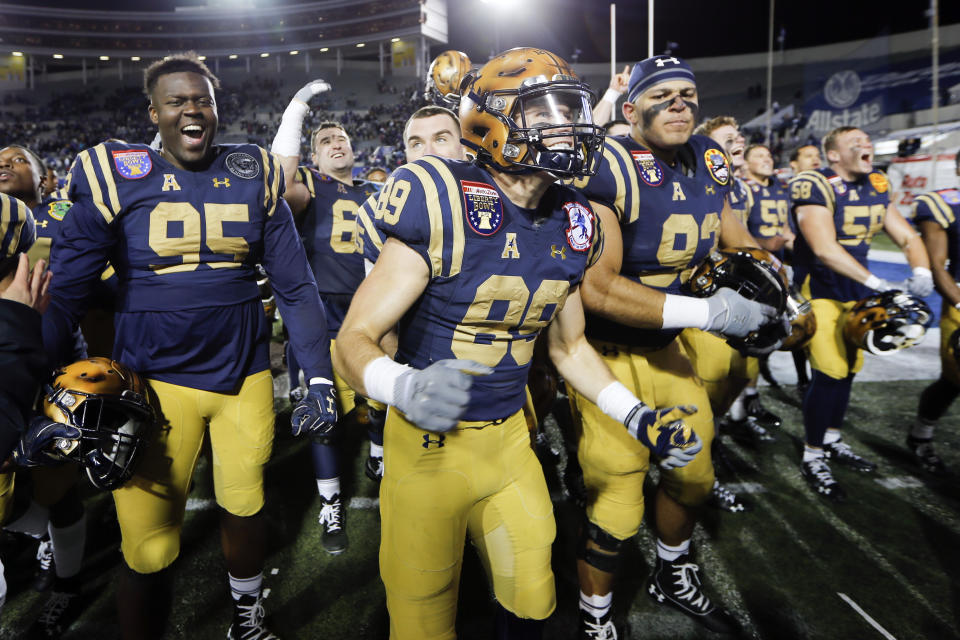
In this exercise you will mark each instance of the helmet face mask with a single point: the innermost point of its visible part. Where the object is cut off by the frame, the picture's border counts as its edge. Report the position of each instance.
(526, 111)
(108, 404)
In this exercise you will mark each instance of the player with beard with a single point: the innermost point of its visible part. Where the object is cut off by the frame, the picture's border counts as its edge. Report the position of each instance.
(185, 227)
(661, 195)
(838, 211)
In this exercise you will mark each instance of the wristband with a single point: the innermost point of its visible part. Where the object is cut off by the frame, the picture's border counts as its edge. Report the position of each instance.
(922, 271)
(873, 282)
(616, 401)
(287, 140)
(680, 312)
(319, 380)
(611, 96)
(380, 378)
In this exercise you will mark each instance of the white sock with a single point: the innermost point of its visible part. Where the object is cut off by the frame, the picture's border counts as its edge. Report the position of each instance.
(328, 487)
(750, 391)
(597, 606)
(245, 586)
(376, 450)
(831, 436)
(738, 411)
(811, 453)
(669, 553)
(923, 429)
(33, 522)
(68, 543)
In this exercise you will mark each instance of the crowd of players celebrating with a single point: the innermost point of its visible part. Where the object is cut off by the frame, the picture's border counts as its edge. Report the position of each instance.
(644, 266)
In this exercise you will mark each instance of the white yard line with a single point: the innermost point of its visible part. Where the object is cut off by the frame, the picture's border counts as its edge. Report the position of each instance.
(873, 623)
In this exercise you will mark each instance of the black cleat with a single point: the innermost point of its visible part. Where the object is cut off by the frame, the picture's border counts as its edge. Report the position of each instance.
(722, 498)
(334, 538)
(841, 452)
(374, 468)
(676, 583)
(46, 571)
(592, 628)
(248, 620)
(926, 457)
(63, 606)
(818, 475)
(749, 430)
(756, 410)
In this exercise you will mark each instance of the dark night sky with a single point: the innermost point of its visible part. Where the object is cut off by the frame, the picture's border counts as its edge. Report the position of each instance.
(701, 28)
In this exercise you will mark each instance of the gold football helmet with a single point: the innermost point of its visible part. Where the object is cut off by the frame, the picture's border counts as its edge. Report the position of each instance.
(527, 110)
(109, 404)
(446, 73)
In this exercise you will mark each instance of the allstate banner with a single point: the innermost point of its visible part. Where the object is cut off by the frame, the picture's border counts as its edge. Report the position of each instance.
(861, 91)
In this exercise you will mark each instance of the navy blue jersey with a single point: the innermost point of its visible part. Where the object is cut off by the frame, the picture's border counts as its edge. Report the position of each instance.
(48, 215)
(184, 245)
(669, 219)
(769, 210)
(329, 228)
(858, 209)
(17, 226)
(740, 201)
(498, 273)
(369, 237)
(943, 207)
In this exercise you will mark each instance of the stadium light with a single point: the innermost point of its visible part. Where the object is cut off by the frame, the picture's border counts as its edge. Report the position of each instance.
(201, 58)
(324, 50)
(18, 54)
(135, 58)
(361, 44)
(264, 55)
(394, 39)
(104, 58)
(58, 56)
(294, 52)
(232, 56)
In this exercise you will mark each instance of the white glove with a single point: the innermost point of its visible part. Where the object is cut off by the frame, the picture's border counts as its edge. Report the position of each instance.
(312, 88)
(921, 283)
(734, 316)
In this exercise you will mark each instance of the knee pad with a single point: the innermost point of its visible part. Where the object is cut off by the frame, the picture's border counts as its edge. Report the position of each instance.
(606, 553)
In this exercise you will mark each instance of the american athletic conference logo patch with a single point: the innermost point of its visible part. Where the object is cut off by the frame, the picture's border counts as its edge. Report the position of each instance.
(482, 206)
(650, 171)
(580, 231)
(717, 165)
(132, 164)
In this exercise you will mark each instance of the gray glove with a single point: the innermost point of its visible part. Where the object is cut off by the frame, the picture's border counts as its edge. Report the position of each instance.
(734, 316)
(920, 285)
(311, 89)
(434, 398)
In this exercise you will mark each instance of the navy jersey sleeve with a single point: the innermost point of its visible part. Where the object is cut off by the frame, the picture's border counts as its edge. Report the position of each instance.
(931, 206)
(296, 292)
(369, 238)
(811, 187)
(402, 213)
(615, 183)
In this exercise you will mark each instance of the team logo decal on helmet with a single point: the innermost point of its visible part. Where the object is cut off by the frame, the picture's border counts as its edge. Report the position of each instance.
(109, 404)
(650, 171)
(887, 322)
(132, 164)
(482, 206)
(444, 77)
(526, 110)
(580, 231)
(717, 165)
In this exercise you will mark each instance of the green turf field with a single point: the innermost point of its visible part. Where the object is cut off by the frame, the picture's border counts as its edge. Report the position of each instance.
(795, 567)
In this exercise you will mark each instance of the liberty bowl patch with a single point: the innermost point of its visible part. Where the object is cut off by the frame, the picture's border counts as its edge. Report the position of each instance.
(132, 164)
(717, 165)
(243, 165)
(482, 206)
(580, 231)
(650, 171)
(950, 196)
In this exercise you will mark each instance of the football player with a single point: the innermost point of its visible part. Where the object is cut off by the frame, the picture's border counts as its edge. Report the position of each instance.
(661, 197)
(444, 77)
(770, 210)
(805, 158)
(325, 202)
(937, 215)
(479, 258)
(184, 227)
(606, 106)
(376, 174)
(54, 513)
(618, 127)
(838, 211)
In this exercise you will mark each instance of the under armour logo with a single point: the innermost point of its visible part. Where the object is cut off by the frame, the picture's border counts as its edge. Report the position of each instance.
(427, 440)
(221, 182)
(663, 61)
(554, 252)
(710, 189)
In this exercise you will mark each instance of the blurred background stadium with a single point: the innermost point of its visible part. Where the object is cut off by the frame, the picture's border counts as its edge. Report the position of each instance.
(70, 77)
